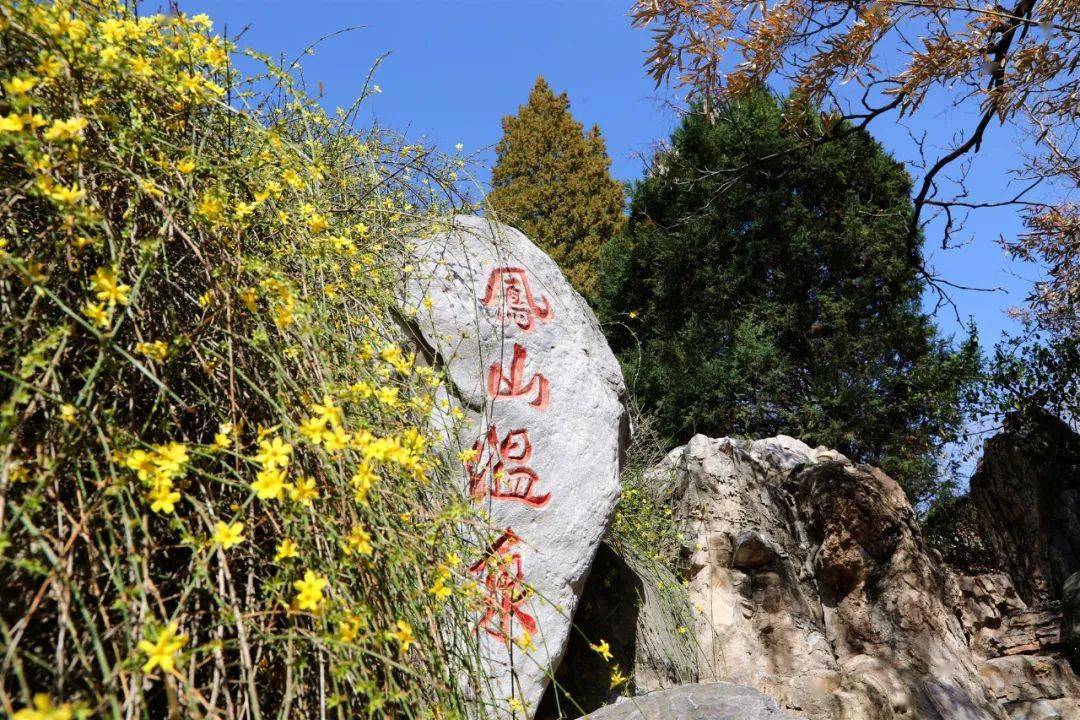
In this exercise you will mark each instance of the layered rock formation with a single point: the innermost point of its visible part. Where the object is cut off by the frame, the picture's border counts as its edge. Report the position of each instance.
(814, 585)
(1027, 491)
(544, 424)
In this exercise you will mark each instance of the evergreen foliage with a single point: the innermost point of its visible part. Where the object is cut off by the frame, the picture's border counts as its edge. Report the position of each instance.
(551, 181)
(763, 286)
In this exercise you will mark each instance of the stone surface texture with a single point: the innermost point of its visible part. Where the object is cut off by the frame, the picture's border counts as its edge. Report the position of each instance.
(706, 701)
(1027, 492)
(543, 399)
(815, 586)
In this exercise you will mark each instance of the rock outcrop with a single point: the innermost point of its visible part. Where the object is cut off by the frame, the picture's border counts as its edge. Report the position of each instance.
(1018, 650)
(1027, 491)
(543, 434)
(707, 701)
(815, 586)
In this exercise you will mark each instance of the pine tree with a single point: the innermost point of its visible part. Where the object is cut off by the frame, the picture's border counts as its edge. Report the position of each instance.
(552, 182)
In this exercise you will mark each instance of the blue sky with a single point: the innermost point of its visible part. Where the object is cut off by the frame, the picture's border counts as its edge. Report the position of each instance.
(456, 67)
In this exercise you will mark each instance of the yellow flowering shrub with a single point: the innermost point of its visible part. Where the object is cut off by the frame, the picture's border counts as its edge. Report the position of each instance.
(218, 495)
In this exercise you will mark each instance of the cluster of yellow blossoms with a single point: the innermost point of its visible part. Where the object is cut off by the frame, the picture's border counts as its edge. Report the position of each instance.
(178, 261)
(159, 469)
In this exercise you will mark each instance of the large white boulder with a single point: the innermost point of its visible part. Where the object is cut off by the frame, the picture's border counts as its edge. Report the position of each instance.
(543, 397)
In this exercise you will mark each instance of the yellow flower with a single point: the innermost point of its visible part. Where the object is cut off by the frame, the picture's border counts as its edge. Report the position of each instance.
(313, 429)
(336, 440)
(317, 223)
(283, 316)
(141, 462)
(50, 66)
(11, 123)
(362, 389)
(20, 85)
(286, 549)
(156, 350)
(515, 706)
(210, 207)
(223, 437)
(44, 709)
(403, 635)
(466, 456)
(186, 165)
(227, 535)
(274, 453)
(67, 413)
(387, 396)
(141, 67)
(69, 129)
(108, 287)
(603, 649)
(359, 541)
(95, 312)
(162, 652)
(328, 411)
(617, 678)
(269, 483)
(291, 178)
(304, 491)
(525, 641)
(170, 459)
(164, 498)
(247, 296)
(66, 195)
(362, 480)
(309, 591)
(350, 627)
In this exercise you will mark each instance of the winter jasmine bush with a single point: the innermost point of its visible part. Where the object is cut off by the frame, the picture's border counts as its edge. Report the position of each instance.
(218, 494)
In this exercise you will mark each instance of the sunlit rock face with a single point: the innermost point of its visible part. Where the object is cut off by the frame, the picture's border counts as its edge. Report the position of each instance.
(545, 423)
(814, 585)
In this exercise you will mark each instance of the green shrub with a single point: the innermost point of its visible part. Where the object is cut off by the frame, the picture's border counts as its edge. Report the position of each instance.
(218, 496)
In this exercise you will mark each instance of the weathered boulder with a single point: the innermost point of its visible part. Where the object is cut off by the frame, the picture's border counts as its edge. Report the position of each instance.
(706, 701)
(814, 584)
(1027, 491)
(544, 423)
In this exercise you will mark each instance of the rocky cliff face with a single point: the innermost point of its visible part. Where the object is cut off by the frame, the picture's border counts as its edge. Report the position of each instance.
(1027, 491)
(813, 584)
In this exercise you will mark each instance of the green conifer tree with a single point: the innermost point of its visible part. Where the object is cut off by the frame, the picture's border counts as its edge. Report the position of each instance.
(764, 285)
(552, 182)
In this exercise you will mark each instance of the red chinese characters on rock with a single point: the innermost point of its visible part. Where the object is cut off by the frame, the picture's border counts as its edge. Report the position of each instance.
(504, 581)
(508, 287)
(498, 468)
(502, 386)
